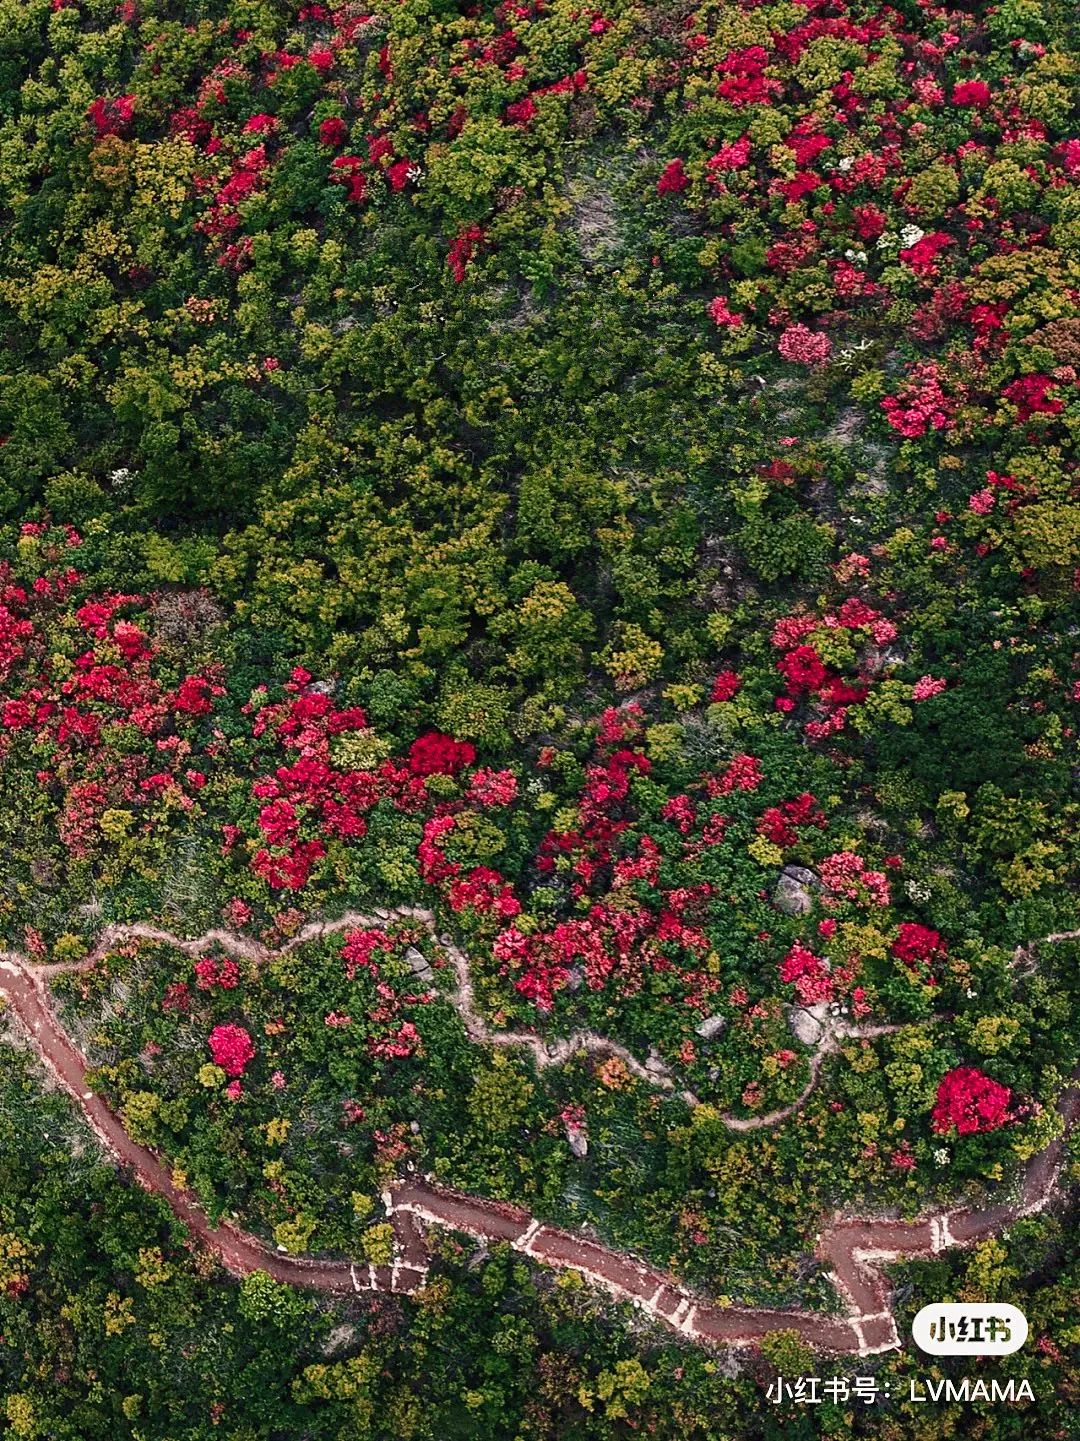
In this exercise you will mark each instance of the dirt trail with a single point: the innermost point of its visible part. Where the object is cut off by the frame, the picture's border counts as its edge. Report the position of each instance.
(545, 1053)
(856, 1250)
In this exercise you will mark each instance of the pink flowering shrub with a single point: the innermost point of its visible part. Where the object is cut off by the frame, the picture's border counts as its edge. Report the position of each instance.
(721, 314)
(846, 876)
(674, 179)
(438, 754)
(492, 789)
(968, 1101)
(111, 116)
(1031, 396)
(231, 1048)
(213, 974)
(808, 973)
(804, 346)
(464, 248)
(926, 687)
(919, 947)
(921, 404)
(725, 686)
(975, 93)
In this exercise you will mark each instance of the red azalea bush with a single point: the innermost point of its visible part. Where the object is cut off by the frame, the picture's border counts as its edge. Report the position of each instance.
(725, 687)
(919, 947)
(969, 1101)
(804, 346)
(674, 179)
(439, 754)
(915, 943)
(111, 116)
(333, 132)
(231, 1048)
(808, 973)
(464, 248)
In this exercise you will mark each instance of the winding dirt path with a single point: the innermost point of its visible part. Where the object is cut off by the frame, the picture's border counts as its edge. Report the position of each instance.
(856, 1250)
(545, 1053)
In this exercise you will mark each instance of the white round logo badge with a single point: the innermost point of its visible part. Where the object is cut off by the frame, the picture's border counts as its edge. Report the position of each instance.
(959, 1328)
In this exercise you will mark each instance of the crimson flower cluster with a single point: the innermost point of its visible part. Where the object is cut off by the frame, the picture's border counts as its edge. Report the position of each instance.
(969, 1101)
(231, 1048)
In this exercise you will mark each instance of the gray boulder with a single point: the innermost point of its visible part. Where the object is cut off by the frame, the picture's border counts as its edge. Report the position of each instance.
(808, 1023)
(578, 1138)
(418, 964)
(711, 1027)
(794, 894)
